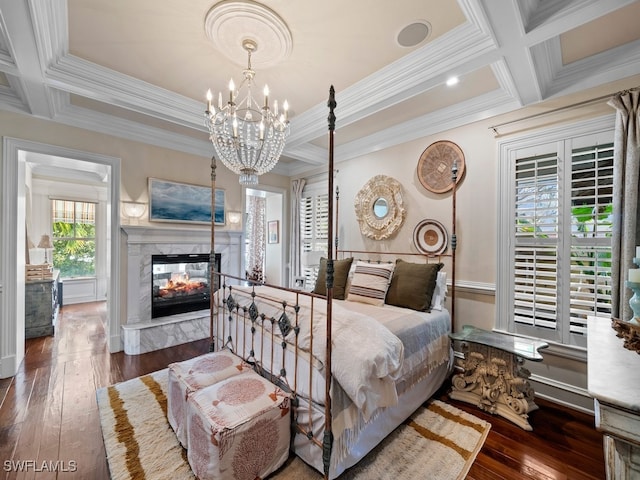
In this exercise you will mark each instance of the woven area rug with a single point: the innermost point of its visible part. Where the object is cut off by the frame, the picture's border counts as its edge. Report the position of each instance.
(438, 441)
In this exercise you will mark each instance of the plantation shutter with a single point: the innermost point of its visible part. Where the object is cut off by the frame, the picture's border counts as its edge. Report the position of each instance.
(536, 226)
(306, 220)
(591, 210)
(314, 218)
(322, 222)
(560, 251)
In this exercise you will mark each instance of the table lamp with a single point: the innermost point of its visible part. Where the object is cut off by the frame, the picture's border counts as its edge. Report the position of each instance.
(45, 242)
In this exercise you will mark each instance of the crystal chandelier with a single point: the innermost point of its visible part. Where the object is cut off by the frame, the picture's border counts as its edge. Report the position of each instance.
(247, 138)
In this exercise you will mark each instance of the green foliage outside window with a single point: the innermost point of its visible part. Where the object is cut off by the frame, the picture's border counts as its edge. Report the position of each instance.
(74, 242)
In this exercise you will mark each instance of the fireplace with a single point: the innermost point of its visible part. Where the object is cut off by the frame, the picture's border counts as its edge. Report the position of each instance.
(180, 283)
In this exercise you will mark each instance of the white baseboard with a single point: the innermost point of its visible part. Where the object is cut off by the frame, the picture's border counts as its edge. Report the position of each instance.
(8, 367)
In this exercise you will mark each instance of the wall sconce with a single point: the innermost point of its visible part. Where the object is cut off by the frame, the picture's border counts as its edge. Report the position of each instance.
(133, 210)
(234, 218)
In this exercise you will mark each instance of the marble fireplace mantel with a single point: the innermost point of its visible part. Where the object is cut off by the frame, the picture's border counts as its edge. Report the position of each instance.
(141, 334)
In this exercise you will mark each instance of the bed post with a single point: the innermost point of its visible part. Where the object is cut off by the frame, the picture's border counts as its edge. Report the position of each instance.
(337, 216)
(212, 254)
(454, 244)
(327, 441)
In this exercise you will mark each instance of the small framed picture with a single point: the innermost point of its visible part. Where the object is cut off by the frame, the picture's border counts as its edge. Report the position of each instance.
(299, 283)
(273, 231)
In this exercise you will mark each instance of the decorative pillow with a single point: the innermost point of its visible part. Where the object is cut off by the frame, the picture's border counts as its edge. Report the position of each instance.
(370, 282)
(352, 271)
(440, 292)
(413, 284)
(340, 275)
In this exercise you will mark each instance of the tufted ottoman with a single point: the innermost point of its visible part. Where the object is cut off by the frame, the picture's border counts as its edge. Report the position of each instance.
(238, 428)
(190, 375)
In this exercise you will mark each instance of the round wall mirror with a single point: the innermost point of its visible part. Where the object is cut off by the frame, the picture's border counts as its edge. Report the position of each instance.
(379, 207)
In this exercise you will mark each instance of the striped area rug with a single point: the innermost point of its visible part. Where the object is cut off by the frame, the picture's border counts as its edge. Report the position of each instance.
(438, 442)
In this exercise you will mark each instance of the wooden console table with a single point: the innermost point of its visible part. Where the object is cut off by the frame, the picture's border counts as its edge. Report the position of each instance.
(613, 375)
(493, 377)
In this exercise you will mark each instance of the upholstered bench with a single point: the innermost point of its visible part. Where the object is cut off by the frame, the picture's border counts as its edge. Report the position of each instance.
(238, 428)
(191, 375)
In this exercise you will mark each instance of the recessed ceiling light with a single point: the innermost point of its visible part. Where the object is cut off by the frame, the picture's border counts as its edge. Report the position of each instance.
(452, 81)
(414, 34)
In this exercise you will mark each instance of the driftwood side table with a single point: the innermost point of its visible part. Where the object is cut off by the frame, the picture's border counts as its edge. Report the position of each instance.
(493, 376)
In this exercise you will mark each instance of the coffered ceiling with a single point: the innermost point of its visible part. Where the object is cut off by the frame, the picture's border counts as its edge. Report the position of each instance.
(140, 69)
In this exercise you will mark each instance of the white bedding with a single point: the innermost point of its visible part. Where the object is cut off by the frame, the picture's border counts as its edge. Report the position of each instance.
(378, 354)
(367, 357)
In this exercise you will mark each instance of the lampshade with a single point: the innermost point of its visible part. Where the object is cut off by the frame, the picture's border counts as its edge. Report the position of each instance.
(247, 138)
(45, 242)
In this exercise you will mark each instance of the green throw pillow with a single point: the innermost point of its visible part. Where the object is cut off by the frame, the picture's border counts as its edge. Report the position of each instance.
(412, 285)
(340, 274)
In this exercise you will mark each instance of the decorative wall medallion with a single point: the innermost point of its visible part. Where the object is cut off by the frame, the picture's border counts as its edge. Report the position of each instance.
(434, 166)
(430, 237)
(379, 207)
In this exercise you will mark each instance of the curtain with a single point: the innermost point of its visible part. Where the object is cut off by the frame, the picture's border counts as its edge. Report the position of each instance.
(295, 252)
(256, 238)
(626, 162)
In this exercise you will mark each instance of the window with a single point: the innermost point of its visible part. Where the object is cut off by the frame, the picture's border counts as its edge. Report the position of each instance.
(314, 227)
(74, 238)
(555, 214)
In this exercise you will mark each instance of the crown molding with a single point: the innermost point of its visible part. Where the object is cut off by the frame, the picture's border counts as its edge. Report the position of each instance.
(90, 120)
(601, 68)
(75, 75)
(543, 20)
(412, 74)
(7, 57)
(12, 97)
(484, 106)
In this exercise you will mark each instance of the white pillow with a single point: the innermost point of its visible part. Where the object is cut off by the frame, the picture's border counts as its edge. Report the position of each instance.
(370, 282)
(352, 272)
(440, 292)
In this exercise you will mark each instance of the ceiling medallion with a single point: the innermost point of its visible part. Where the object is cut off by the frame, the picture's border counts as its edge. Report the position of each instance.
(229, 23)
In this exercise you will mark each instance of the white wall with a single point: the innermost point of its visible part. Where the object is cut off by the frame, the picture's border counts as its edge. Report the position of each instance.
(274, 251)
(475, 211)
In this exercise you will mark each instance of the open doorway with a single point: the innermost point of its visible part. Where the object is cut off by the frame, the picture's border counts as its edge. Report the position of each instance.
(19, 157)
(266, 238)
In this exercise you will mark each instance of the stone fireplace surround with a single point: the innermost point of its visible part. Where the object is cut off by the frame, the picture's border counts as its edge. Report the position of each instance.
(142, 334)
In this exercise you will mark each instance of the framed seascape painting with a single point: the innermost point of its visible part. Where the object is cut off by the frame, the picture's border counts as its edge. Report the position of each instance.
(183, 202)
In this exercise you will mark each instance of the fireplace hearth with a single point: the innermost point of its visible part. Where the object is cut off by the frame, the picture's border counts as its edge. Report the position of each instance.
(180, 283)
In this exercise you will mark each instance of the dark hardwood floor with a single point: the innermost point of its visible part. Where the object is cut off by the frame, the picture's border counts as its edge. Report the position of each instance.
(49, 414)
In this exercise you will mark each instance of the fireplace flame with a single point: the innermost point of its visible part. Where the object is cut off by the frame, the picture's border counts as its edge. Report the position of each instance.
(180, 284)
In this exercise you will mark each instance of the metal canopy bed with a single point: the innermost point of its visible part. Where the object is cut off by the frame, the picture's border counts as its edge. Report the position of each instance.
(355, 370)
